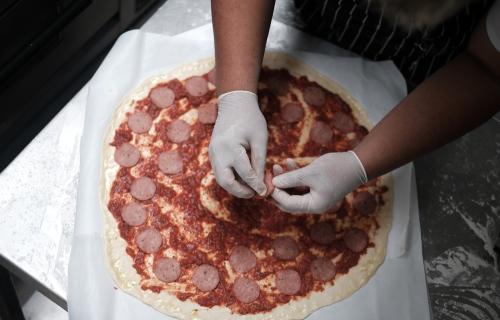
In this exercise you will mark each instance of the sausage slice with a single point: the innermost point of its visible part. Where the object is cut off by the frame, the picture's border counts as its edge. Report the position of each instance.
(356, 239)
(285, 248)
(134, 214)
(196, 86)
(206, 277)
(246, 290)
(242, 259)
(323, 269)
(149, 240)
(162, 97)
(127, 155)
(143, 188)
(321, 133)
(167, 269)
(140, 122)
(292, 112)
(170, 162)
(288, 281)
(178, 131)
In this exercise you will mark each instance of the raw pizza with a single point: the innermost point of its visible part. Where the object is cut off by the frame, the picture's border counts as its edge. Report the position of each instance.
(179, 242)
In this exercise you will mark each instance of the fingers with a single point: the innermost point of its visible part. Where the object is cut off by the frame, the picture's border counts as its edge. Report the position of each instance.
(293, 203)
(277, 170)
(290, 179)
(307, 203)
(258, 154)
(291, 164)
(244, 169)
(226, 180)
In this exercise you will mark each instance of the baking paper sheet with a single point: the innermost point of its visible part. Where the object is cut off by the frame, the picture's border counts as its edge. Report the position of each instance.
(397, 291)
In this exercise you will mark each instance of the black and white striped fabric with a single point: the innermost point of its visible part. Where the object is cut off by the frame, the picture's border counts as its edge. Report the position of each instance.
(359, 26)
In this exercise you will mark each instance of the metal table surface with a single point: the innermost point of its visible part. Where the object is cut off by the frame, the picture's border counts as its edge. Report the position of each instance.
(458, 188)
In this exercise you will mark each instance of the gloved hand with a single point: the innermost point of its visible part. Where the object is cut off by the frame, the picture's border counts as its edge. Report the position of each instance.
(240, 126)
(329, 178)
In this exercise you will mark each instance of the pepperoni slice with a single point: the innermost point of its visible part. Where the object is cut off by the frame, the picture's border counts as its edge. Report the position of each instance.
(170, 162)
(278, 84)
(162, 97)
(212, 76)
(321, 133)
(143, 188)
(149, 240)
(205, 277)
(207, 113)
(288, 281)
(178, 131)
(292, 112)
(285, 248)
(314, 96)
(134, 214)
(323, 269)
(364, 202)
(196, 86)
(356, 239)
(140, 122)
(167, 269)
(342, 122)
(323, 233)
(127, 155)
(242, 259)
(268, 180)
(246, 290)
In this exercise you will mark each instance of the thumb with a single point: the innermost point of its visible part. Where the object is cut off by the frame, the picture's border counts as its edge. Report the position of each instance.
(258, 161)
(290, 179)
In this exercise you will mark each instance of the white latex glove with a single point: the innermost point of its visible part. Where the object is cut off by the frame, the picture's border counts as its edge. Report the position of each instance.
(240, 126)
(329, 178)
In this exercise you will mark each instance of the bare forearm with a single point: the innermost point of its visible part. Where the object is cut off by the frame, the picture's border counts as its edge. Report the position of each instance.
(240, 32)
(453, 101)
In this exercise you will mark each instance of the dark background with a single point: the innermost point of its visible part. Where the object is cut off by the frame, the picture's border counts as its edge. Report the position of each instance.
(49, 50)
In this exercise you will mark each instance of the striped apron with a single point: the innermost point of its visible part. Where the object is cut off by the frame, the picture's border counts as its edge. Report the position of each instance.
(359, 26)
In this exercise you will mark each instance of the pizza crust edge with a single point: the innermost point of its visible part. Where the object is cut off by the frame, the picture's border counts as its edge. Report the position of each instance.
(121, 264)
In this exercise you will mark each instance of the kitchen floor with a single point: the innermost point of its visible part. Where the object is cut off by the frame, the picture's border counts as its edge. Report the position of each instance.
(35, 305)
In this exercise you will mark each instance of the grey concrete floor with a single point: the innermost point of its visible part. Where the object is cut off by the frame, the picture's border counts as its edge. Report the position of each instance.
(459, 198)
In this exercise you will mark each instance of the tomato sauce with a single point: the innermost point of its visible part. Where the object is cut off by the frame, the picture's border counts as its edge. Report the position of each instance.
(250, 222)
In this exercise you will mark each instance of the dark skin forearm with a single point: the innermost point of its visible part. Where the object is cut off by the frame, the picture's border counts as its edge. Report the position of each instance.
(240, 32)
(456, 99)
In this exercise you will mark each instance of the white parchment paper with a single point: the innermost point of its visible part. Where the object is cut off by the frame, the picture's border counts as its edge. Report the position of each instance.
(397, 291)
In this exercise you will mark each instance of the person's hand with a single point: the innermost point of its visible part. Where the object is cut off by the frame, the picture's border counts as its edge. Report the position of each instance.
(240, 126)
(329, 178)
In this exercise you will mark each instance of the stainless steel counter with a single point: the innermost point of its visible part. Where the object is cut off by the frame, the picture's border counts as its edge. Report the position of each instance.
(458, 186)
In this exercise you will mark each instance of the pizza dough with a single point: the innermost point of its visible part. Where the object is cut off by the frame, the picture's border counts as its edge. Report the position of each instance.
(164, 271)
